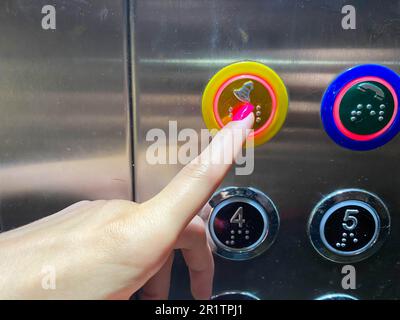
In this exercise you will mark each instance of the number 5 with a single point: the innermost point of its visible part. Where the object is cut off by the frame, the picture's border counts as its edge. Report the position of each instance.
(348, 217)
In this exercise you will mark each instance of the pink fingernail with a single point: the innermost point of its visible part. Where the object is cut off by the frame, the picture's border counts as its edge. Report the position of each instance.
(242, 112)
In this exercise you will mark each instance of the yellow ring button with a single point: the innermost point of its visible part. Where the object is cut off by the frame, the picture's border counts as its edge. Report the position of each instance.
(243, 82)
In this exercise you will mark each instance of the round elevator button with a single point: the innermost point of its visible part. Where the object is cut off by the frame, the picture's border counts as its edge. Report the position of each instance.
(243, 223)
(360, 108)
(231, 228)
(349, 225)
(365, 108)
(246, 83)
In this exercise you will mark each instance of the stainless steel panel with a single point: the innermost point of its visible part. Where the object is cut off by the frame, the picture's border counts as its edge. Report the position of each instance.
(179, 45)
(64, 107)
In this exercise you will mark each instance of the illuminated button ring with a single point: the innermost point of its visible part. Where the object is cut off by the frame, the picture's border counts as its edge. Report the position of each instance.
(349, 225)
(360, 108)
(246, 82)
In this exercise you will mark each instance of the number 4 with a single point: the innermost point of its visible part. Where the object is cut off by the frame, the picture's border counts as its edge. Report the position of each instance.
(238, 217)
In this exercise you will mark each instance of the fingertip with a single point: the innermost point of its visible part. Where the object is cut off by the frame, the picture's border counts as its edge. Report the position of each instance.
(246, 123)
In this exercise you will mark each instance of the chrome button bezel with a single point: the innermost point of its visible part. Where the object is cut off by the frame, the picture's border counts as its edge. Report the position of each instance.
(371, 202)
(265, 207)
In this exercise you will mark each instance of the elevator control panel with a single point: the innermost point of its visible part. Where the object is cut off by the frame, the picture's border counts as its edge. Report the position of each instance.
(360, 107)
(110, 99)
(246, 82)
(243, 223)
(349, 225)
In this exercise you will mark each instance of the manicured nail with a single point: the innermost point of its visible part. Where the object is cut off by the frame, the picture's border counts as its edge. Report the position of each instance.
(242, 112)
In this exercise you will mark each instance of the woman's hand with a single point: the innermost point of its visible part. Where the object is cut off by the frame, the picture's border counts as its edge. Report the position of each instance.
(110, 249)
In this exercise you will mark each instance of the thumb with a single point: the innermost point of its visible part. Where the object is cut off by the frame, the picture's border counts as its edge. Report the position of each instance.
(191, 188)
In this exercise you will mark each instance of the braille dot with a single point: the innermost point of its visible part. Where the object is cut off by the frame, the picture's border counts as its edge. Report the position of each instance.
(239, 231)
(230, 109)
(344, 240)
(247, 237)
(355, 240)
(258, 120)
(232, 243)
(233, 237)
(353, 113)
(258, 108)
(258, 113)
(382, 106)
(233, 231)
(338, 245)
(344, 234)
(360, 106)
(230, 115)
(227, 242)
(380, 118)
(351, 235)
(381, 113)
(359, 113)
(369, 106)
(342, 245)
(247, 231)
(372, 113)
(353, 119)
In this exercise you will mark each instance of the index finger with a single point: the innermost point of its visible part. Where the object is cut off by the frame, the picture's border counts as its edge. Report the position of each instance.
(191, 188)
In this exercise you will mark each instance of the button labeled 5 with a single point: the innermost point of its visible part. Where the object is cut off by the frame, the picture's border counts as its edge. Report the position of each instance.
(349, 225)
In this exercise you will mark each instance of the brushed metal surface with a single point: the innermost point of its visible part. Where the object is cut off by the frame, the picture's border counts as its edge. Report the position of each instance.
(64, 107)
(179, 45)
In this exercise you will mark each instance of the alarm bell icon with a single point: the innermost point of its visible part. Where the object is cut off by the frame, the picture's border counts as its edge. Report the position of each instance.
(243, 94)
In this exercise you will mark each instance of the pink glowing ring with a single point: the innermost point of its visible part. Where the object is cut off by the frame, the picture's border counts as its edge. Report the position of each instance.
(338, 100)
(255, 78)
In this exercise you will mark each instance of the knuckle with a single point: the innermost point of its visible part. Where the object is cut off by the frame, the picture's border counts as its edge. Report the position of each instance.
(116, 214)
(199, 226)
(118, 205)
(197, 232)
